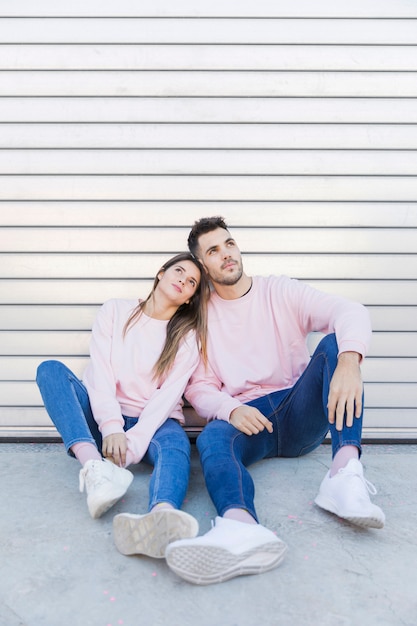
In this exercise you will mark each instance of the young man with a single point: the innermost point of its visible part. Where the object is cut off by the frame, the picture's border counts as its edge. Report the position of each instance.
(263, 396)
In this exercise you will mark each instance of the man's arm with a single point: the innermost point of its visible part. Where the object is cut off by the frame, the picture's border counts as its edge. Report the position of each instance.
(345, 394)
(249, 420)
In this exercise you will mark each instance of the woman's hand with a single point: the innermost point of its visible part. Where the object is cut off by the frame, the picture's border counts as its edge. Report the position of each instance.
(114, 448)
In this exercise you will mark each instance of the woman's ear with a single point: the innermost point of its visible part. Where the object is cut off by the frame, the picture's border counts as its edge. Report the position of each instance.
(160, 274)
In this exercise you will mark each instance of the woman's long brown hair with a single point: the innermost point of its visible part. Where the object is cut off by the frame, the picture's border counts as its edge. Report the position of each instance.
(191, 316)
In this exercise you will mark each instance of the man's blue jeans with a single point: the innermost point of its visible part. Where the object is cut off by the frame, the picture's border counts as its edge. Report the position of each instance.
(300, 423)
(66, 401)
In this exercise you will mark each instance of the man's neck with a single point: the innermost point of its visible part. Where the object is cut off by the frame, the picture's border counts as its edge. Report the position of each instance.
(233, 292)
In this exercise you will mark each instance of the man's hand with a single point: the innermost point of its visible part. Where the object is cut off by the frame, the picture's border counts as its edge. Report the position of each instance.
(114, 448)
(249, 420)
(345, 394)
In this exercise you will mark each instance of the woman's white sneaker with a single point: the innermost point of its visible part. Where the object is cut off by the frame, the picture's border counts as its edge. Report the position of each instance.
(229, 549)
(346, 494)
(105, 484)
(150, 534)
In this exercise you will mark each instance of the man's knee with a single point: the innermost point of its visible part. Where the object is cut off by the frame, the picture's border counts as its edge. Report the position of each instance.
(329, 345)
(215, 433)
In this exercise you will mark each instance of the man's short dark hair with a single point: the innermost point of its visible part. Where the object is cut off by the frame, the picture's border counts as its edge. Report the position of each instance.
(201, 227)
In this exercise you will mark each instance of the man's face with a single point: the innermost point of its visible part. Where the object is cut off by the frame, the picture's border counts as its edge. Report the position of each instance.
(221, 257)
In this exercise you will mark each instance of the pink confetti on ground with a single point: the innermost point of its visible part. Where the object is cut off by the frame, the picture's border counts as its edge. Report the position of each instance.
(306, 557)
(112, 599)
(66, 548)
(105, 592)
(120, 621)
(154, 574)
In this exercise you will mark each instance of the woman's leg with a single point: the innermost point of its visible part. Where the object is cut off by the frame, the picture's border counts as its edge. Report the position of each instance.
(68, 406)
(149, 534)
(169, 453)
(66, 401)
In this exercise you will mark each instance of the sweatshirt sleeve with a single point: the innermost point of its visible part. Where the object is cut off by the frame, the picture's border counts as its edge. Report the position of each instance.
(99, 378)
(327, 313)
(204, 394)
(164, 400)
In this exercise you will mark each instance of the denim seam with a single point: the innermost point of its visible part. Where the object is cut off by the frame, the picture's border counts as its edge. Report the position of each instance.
(157, 470)
(242, 495)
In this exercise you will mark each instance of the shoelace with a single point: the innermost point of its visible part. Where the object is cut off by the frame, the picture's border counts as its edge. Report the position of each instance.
(369, 486)
(87, 473)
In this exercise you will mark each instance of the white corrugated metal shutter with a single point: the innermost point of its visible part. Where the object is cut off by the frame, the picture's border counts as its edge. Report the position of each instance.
(121, 123)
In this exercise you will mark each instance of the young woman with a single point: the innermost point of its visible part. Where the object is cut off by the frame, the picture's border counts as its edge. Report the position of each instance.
(128, 407)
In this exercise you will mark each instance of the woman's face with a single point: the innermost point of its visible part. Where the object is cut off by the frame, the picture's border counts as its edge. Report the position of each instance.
(179, 282)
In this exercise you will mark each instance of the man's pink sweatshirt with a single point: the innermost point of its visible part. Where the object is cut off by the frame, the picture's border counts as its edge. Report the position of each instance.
(257, 343)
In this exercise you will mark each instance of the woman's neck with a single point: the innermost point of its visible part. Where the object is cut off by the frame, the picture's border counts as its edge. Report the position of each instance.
(158, 310)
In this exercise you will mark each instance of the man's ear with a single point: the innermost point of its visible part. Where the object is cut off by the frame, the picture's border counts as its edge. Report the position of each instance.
(202, 263)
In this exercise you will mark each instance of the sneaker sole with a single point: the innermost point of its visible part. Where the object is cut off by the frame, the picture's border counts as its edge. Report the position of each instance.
(368, 521)
(205, 565)
(100, 503)
(150, 534)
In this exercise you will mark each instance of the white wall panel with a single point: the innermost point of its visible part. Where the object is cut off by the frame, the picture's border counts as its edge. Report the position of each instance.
(218, 8)
(205, 187)
(171, 30)
(209, 136)
(209, 110)
(208, 84)
(125, 57)
(391, 215)
(211, 162)
(121, 124)
(120, 239)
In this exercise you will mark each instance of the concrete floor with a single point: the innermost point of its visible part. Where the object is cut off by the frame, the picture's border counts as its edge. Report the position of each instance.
(59, 567)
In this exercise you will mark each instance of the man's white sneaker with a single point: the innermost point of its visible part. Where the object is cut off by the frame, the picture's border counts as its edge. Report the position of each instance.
(346, 494)
(229, 549)
(105, 484)
(151, 533)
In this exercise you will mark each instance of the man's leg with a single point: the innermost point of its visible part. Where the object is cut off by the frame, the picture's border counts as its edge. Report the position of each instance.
(236, 545)
(225, 452)
(303, 423)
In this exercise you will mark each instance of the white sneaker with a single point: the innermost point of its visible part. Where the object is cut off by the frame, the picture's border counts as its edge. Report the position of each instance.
(151, 533)
(105, 484)
(346, 495)
(229, 549)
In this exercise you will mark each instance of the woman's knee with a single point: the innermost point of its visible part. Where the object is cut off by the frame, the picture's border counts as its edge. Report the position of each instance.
(49, 370)
(172, 435)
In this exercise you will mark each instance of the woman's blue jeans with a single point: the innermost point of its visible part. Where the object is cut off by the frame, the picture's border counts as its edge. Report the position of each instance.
(66, 401)
(300, 424)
